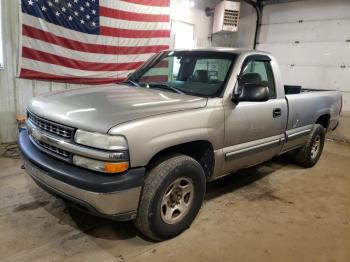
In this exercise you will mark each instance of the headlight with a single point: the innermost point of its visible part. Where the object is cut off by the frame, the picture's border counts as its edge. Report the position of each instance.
(100, 166)
(100, 141)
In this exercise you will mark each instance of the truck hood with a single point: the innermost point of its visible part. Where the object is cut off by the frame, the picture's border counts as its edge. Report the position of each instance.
(99, 108)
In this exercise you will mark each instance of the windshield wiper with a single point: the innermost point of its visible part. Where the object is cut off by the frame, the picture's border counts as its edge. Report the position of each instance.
(128, 81)
(164, 86)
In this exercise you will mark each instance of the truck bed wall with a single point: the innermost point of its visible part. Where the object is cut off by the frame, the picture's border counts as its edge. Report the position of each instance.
(305, 108)
(304, 111)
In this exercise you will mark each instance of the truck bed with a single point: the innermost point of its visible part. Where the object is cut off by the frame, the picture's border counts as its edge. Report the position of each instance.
(306, 106)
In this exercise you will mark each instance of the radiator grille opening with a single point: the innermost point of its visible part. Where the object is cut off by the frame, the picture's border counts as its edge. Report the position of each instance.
(53, 149)
(50, 127)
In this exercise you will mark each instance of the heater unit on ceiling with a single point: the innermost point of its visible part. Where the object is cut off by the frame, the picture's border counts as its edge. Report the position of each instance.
(226, 17)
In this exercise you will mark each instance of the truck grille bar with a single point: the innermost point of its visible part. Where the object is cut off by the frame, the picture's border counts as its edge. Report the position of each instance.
(51, 127)
(53, 149)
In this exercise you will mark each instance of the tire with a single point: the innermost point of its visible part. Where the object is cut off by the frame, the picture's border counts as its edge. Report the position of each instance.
(161, 190)
(308, 155)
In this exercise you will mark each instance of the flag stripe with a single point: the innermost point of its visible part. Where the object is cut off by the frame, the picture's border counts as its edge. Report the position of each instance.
(131, 16)
(69, 72)
(89, 48)
(163, 3)
(137, 8)
(92, 39)
(154, 78)
(76, 64)
(75, 54)
(118, 32)
(161, 64)
(123, 24)
(30, 74)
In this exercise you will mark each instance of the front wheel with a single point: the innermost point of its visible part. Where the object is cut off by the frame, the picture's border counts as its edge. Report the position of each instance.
(310, 153)
(171, 198)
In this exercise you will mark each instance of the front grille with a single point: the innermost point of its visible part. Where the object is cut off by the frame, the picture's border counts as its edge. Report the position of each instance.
(51, 127)
(53, 149)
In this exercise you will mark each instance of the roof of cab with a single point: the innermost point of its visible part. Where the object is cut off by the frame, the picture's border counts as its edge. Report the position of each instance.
(223, 49)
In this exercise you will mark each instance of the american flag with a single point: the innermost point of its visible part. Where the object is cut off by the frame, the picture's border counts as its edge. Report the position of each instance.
(90, 41)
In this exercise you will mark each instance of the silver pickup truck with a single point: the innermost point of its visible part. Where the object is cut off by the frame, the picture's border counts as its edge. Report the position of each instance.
(144, 150)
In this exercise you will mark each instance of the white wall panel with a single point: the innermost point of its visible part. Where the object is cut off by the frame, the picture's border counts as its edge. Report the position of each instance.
(319, 78)
(316, 77)
(24, 91)
(321, 59)
(244, 38)
(41, 87)
(312, 31)
(181, 11)
(7, 92)
(308, 10)
(332, 54)
(346, 103)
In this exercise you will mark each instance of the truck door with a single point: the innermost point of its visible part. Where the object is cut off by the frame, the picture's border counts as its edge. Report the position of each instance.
(253, 130)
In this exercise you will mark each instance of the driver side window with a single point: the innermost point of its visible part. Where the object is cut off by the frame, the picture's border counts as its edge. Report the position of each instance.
(259, 72)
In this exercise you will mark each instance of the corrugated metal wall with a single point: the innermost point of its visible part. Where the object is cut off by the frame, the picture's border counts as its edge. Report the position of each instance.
(7, 80)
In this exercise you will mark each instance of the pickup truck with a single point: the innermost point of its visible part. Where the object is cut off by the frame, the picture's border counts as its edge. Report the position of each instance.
(144, 149)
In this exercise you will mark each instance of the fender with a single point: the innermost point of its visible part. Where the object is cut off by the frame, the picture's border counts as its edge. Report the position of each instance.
(163, 131)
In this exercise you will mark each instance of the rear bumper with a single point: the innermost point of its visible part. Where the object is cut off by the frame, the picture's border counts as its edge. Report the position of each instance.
(112, 196)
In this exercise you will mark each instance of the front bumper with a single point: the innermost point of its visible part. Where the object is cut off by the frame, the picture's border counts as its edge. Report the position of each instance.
(112, 196)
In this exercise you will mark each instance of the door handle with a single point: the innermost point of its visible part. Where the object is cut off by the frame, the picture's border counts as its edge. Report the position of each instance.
(277, 112)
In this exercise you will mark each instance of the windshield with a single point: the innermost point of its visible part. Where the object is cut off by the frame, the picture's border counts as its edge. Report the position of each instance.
(201, 73)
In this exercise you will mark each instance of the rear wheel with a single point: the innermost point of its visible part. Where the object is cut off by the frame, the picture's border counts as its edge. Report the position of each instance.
(172, 196)
(310, 153)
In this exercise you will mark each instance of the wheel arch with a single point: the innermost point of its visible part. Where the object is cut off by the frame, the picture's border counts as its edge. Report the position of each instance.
(324, 120)
(201, 150)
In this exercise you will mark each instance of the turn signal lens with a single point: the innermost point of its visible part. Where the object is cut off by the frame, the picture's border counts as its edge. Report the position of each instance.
(100, 166)
(116, 167)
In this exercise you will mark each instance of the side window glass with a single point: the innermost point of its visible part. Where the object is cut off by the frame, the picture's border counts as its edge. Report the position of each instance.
(259, 72)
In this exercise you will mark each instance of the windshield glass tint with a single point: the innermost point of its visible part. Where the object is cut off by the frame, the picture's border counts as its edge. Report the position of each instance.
(194, 72)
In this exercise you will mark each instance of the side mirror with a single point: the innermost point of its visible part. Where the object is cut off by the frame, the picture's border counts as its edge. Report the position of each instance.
(251, 93)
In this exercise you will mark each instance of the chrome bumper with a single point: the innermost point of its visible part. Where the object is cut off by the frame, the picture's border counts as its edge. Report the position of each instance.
(107, 204)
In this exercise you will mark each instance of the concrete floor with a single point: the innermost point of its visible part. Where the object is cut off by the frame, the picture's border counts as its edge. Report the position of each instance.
(274, 212)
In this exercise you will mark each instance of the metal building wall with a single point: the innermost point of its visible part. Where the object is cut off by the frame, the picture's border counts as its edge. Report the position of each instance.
(311, 41)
